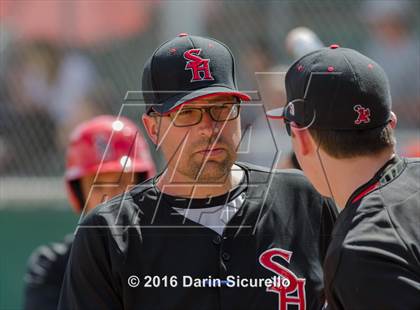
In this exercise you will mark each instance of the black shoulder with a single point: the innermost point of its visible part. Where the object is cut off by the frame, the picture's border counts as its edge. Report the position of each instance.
(401, 200)
(376, 260)
(120, 210)
(265, 169)
(267, 172)
(111, 221)
(286, 182)
(47, 263)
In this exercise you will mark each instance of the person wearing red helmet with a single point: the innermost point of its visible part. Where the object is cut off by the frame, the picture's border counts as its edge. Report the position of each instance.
(105, 156)
(102, 151)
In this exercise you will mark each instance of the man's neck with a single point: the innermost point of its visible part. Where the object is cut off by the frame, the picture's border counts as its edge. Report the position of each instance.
(176, 184)
(346, 176)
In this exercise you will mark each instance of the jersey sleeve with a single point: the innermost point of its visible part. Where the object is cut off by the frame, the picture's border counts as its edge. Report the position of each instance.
(44, 276)
(380, 277)
(89, 280)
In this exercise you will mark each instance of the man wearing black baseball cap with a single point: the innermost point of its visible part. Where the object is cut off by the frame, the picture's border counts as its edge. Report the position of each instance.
(339, 116)
(188, 68)
(208, 232)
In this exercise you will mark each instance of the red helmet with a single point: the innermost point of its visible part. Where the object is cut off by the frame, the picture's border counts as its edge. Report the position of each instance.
(104, 144)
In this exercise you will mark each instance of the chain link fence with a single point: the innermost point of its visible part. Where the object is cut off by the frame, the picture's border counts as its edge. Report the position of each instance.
(47, 86)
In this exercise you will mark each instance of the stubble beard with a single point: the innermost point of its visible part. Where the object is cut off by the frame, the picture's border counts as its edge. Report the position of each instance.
(203, 170)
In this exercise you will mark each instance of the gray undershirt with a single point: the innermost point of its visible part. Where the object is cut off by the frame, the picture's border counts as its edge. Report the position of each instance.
(215, 217)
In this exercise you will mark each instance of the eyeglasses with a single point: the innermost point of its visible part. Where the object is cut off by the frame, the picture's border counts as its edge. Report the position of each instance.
(188, 116)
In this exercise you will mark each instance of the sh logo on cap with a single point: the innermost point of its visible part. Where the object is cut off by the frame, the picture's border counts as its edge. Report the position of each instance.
(199, 67)
(185, 69)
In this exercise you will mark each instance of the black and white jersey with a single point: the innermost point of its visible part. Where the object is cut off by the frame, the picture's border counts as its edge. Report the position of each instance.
(373, 261)
(259, 246)
(44, 275)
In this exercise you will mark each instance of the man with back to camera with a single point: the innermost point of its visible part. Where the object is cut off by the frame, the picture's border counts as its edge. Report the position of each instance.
(104, 154)
(339, 116)
(197, 234)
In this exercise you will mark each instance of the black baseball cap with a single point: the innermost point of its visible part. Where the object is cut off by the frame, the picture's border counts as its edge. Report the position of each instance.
(187, 68)
(336, 88)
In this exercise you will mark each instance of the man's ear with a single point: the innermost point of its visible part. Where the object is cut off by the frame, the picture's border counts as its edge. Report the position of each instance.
(394, 120)
(303, 140)
(152, 127)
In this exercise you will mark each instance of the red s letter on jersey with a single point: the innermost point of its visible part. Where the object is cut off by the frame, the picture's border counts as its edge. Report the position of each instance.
(289, 284)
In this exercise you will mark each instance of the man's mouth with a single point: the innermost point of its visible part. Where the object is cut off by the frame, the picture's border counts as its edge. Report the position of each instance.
(212, 152)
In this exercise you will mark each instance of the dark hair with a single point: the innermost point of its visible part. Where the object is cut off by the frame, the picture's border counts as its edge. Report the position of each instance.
(352, 143)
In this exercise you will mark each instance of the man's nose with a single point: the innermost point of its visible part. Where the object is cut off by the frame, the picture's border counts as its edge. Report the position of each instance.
(207, 126)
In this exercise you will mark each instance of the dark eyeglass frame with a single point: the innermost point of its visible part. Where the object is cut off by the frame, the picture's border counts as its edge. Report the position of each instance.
(207, 109)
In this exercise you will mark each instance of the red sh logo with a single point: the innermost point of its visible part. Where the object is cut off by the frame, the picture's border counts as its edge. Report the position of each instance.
(290, 283)
(199, 67)
(363, 114)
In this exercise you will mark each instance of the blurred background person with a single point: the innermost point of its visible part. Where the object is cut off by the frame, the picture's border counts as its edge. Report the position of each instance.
(275, 150)
(395, 46)
(105, 157)
(299, 41)
(412, 148)
(44, 88)
(99, 99)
